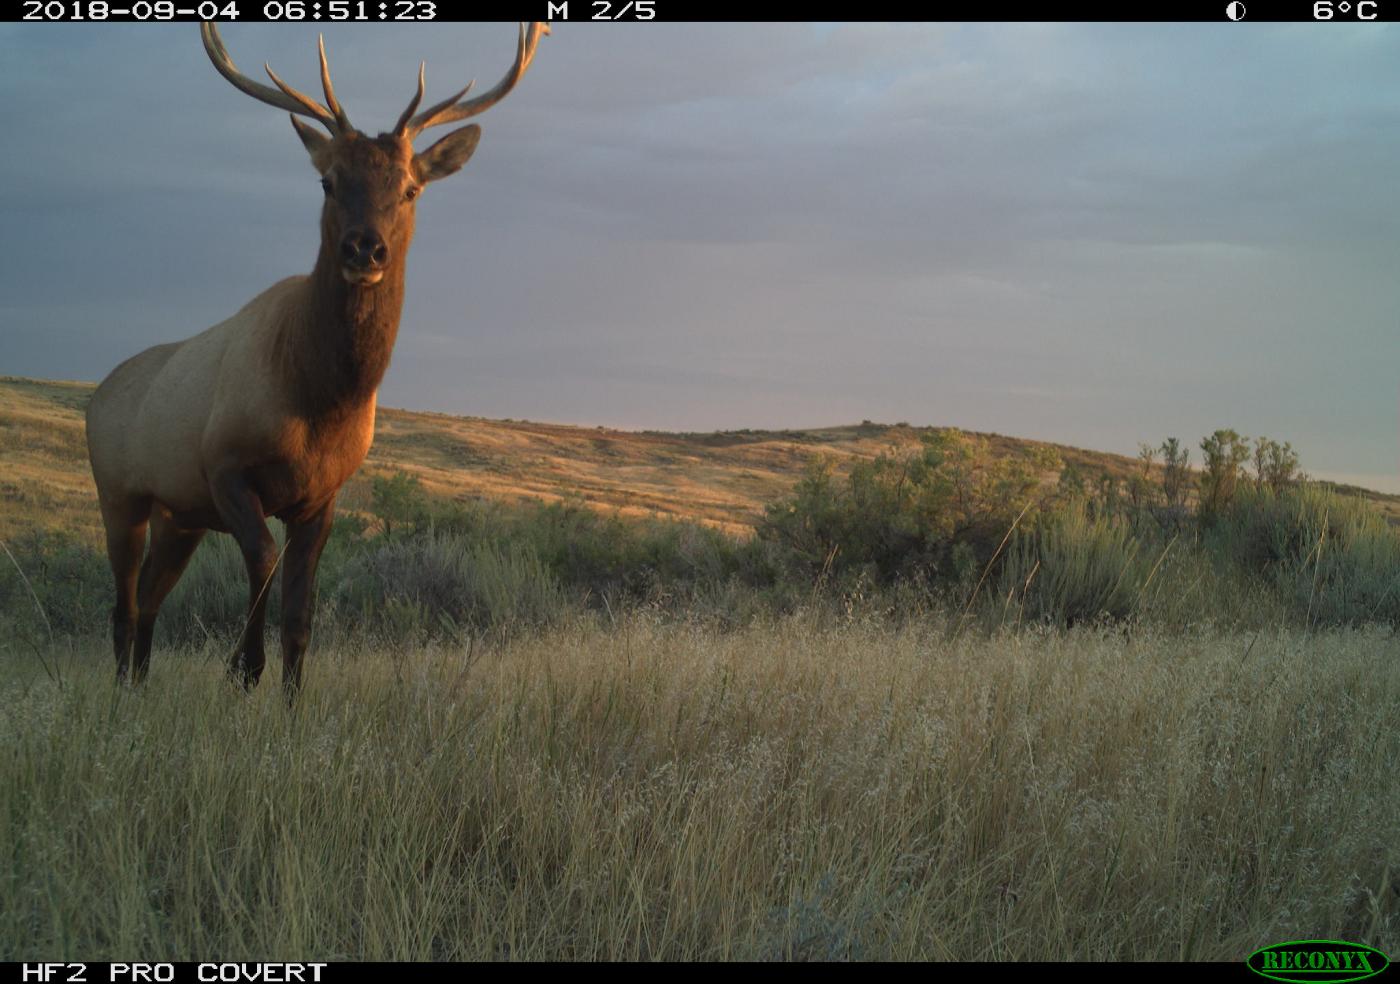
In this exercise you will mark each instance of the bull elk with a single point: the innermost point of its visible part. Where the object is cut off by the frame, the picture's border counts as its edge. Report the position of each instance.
(268, 413)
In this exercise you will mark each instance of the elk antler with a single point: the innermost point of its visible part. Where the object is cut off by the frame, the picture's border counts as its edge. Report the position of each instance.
(450, 110)
(333, 119)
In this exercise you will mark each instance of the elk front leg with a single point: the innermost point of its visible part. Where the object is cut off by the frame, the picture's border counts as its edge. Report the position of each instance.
(242, 512)
(306, 538)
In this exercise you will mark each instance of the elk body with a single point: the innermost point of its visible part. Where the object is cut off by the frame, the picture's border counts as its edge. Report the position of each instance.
(268, 413)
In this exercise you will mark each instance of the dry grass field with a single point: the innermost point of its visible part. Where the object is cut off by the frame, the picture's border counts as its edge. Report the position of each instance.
(806, 788)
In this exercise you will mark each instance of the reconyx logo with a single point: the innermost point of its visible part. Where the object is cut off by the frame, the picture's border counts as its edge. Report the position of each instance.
(1306, 961)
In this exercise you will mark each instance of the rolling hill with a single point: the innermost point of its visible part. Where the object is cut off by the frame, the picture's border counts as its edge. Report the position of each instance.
(721, 479)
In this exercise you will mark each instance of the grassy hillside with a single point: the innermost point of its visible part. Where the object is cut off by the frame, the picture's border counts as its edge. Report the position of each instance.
(721, 479)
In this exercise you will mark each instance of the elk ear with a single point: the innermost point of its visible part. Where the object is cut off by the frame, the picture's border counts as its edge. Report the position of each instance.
(317, 144)
(447, 155)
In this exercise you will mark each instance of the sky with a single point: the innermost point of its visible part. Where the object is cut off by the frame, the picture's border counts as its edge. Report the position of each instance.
(1099, 235)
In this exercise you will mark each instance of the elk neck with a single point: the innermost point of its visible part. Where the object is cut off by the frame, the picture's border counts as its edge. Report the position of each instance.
(340, 346)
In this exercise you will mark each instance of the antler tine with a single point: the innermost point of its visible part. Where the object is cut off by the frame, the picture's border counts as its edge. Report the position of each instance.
(312, 107)
(450, 110)
(414, 127)
(288, 99)
(329, 90)
(400, 128)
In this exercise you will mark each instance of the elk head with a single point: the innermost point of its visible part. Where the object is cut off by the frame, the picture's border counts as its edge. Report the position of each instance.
(372, 183)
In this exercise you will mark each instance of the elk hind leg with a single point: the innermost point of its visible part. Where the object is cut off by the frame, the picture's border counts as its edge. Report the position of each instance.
(171, 549)
(125, 522)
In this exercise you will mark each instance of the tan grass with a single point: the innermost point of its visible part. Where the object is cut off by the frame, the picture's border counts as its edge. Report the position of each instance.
(799, 789)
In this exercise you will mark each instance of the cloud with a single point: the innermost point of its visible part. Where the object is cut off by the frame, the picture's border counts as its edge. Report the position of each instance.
(1097, 234)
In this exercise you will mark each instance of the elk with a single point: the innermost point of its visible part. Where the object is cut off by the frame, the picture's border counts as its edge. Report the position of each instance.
(268, 413)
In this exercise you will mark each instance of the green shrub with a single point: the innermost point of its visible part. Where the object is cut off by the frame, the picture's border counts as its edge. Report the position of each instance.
(1176, 473)
(604, 554)
(398, 499)
(937, 513)
(1275, 465)
(417, 586)
(1075, 567)
(1334, 560)
(1224, 453)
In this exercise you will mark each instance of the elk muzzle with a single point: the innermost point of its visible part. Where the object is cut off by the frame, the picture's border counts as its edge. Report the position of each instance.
(363, 256)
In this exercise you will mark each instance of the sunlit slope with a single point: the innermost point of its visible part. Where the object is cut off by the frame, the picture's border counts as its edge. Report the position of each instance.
(722, 479)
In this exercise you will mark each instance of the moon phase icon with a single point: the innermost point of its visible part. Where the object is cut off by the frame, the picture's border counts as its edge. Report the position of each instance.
(1235, 11)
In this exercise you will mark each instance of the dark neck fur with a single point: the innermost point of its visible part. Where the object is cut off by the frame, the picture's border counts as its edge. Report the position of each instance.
(337, 348)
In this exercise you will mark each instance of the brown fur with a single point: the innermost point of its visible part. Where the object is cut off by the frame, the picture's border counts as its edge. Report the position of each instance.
(267, 413)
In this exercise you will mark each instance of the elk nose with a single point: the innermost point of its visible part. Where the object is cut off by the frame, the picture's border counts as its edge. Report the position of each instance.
(363, 249)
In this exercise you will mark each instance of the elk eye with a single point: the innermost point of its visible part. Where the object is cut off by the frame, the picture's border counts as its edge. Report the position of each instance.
(326, 185)
(411, 194)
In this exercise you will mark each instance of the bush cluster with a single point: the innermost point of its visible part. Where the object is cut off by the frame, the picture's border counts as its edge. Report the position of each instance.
(948, 527)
